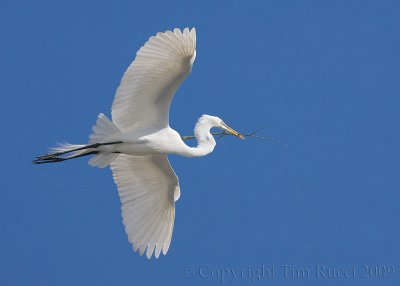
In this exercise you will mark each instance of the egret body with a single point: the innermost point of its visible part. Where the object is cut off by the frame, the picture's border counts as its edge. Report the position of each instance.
(136, 142)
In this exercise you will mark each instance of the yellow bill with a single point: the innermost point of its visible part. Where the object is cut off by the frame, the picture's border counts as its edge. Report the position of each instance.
(230, 130)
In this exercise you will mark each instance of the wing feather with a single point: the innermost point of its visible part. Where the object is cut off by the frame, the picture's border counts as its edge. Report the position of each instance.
(143, 98)
(148, 189)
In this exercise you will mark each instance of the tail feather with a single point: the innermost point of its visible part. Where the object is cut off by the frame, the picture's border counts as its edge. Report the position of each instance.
(104, 130)
(102, 160)
(105, 133)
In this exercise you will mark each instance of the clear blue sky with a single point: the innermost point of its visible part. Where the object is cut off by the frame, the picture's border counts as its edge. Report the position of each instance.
(323, 75)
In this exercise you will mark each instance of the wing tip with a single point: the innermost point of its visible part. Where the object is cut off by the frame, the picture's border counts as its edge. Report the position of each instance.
(150, 250)
(187, 33)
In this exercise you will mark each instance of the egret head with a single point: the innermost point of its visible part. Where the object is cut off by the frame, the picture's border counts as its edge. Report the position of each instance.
(219, 123)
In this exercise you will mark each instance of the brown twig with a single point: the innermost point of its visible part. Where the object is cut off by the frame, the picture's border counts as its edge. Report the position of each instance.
(250, 135)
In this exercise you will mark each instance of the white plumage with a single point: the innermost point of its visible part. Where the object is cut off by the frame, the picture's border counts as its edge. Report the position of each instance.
(148, 189)
(137, 140)
(147, 87)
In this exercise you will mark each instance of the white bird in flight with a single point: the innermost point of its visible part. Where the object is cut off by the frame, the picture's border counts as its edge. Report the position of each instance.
(136, 142)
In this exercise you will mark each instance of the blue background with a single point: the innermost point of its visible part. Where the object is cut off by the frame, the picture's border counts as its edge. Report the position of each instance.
(323, 75)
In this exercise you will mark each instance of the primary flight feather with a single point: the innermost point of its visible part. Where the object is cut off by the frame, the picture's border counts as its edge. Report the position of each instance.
(136, 142)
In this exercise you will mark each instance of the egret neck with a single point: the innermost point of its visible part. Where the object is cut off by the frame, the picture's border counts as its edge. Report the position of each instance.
(205, 141)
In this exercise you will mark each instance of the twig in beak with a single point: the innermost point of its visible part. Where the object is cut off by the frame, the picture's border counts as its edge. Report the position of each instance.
(251, 135)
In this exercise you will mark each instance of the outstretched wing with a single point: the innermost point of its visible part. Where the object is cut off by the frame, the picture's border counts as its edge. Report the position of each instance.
(148, 189)
(143, 98)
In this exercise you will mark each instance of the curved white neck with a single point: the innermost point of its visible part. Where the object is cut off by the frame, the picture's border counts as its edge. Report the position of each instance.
(205, 141)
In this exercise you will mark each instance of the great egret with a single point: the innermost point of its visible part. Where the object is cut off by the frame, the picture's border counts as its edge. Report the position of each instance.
(137, 140)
